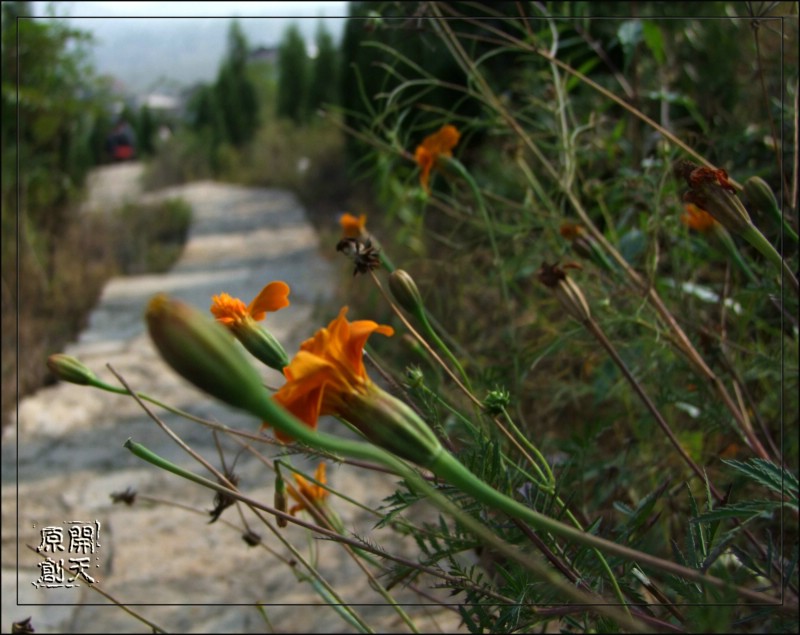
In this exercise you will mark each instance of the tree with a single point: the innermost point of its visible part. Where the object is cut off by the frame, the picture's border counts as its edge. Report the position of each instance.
(293, 76)
(324, 86)
(45, 75)
(145, 130)
(235, 92)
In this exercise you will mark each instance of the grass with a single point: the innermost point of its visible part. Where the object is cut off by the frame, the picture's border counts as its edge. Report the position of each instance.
(61, 278)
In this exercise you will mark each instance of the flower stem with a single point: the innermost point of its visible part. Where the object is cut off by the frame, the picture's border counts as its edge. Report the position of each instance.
(725, 238)
(422, 317)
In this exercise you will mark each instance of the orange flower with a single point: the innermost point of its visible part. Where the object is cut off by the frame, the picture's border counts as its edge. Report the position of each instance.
(232, 311)
(438, 144)
(698, 219)
(327, 371)
(570, 231)
(309, 493)
(353, 227)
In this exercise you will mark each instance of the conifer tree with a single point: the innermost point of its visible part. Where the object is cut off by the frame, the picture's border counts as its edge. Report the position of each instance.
(293, 76)
(145, 130)
(234, 91)
(324, 86)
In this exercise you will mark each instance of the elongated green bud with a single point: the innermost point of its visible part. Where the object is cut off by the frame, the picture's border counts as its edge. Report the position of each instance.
(203, 352)
(280, 496)
(389, 423)
(405, 291)
(760, 195)
(260, 343)
(762, 198)
(71, 369)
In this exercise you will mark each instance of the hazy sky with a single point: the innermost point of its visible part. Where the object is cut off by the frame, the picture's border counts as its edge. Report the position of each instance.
(186, 9)
(156, 44)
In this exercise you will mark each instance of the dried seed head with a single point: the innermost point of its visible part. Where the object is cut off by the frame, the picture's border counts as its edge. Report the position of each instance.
(566, 291)
(364, 255)
(128, 496)
(710, 190)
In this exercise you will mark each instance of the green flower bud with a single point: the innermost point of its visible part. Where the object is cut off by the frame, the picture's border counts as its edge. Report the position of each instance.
(405, 291)
(496, 401)
(761, 196)
(260, 343)
(71, 369)
(389, 423)
(203, 352)
(414, 376)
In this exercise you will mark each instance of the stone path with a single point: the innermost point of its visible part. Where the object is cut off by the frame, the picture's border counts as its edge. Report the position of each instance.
(163, 558)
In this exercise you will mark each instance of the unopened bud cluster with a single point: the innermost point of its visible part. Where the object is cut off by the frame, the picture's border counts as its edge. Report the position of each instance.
(497, 401)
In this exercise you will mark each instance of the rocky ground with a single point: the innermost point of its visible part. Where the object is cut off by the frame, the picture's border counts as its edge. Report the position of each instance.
(160, 556)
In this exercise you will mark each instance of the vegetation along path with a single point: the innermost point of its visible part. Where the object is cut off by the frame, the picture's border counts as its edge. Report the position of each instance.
(67, 451)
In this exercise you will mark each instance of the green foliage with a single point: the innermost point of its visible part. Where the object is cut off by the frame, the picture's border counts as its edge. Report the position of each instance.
(53, 109)
(235, 93)
(145, 132)
(154, 235)
(546, 147)
(323, 88)
(293, 69)
(226, 114)
(45, 74)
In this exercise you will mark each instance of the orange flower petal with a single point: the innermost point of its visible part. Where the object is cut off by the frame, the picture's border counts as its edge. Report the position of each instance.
(443, 141)
(440, 143)
(360, 331)
(697, 218)
(308, 491)
(353, 227)
(328, 366)
(273, 297)
(227, 309)
(570, 231)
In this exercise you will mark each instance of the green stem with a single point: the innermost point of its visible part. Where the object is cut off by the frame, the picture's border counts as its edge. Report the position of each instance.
(97, 383)
(778, 216)
(726, 239)
(450, 469)
(551, 480)
(547, 475)
(422, 317)
(201, 352)
(416, 482)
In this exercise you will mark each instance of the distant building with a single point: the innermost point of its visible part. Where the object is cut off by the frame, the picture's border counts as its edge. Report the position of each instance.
(167, 104)
(264, 54)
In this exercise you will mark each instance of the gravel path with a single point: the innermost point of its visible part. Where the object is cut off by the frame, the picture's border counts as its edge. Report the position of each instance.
(165, 560)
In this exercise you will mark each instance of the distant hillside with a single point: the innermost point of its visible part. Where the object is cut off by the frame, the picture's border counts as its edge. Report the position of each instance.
(144, 52)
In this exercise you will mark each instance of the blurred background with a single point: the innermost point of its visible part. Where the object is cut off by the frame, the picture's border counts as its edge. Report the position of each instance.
(305, 96)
